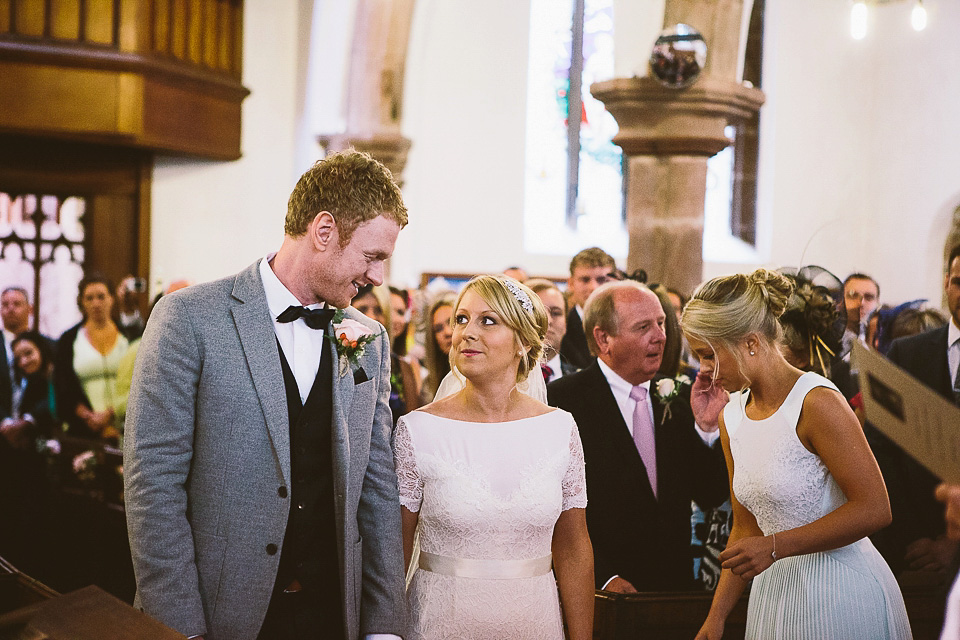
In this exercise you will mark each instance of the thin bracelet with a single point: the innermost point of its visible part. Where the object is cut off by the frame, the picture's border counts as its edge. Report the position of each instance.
(773, 554)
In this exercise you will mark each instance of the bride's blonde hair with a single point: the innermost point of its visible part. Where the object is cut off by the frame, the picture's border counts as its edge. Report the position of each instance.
(529, 326)
(725, 310)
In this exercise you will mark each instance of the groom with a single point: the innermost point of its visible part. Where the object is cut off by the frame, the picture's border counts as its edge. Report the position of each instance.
(261, 495)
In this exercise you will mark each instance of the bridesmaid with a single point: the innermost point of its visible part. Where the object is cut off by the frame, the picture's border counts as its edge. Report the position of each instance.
(805, 488)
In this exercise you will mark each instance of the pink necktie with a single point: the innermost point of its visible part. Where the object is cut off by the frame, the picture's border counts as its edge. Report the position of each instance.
(643, 435)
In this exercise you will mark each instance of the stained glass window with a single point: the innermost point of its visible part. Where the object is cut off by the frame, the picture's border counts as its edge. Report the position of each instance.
(41, 250)
(571, 205)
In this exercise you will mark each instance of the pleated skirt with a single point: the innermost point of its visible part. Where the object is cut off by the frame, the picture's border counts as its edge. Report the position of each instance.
(844, 594)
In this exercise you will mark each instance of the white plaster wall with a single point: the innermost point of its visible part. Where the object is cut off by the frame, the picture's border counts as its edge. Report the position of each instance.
(858, 144)
(211, 219)
(464, 109)
(914, 146)
(858, 150)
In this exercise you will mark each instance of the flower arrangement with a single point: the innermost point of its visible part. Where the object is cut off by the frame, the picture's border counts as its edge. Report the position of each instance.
(350, 337)
(48, 447)
(85, 466)
(666, 390)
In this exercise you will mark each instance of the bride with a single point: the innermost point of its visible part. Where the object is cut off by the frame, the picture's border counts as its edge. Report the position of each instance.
(493, 481)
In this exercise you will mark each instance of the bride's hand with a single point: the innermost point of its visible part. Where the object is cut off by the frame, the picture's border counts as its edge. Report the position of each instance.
(748, 557)
(707, 401)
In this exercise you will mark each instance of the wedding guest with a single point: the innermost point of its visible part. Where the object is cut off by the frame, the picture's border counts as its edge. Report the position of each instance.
(438, 340)
(85, 370)
(810, 341)
(910, 322)
(400, 320)
(127, 362)
(916, 539)
(861, 294)
(493, 481)
(129, 319)
(25, 536)
(35, 395)
(646, 459)
(949, 494)
(404, 387)
(517, 273)
(554, 365)
(588, 270)
(15, 312)
(673, 345)
(688, 364)
(806, 492)
(368, 302)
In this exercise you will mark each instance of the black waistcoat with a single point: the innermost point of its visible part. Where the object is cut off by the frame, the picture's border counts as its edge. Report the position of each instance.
(309, 552)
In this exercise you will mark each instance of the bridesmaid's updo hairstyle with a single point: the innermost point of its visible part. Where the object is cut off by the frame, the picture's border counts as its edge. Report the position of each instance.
(530, 324)
(727, 309)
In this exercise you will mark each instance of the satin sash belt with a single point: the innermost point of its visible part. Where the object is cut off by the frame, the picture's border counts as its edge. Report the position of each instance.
(488, 569)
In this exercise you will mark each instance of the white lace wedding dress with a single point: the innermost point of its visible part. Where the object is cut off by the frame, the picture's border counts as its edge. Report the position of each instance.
(847, 593)
(488, 495)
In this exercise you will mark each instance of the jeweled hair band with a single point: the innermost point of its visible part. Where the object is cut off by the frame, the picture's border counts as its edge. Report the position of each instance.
(520, 295)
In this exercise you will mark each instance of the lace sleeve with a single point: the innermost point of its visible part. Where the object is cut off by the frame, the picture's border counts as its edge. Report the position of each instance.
(409, 481)
(575, 479)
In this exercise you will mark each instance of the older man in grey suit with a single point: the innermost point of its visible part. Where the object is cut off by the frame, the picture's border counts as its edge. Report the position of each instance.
(261, 494)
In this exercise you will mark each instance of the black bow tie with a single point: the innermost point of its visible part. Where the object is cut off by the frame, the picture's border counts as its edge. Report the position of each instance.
(315, 318)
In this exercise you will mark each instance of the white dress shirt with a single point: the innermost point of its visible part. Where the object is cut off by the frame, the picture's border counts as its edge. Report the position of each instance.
(554, 364)
(8, 337)
(301, 346)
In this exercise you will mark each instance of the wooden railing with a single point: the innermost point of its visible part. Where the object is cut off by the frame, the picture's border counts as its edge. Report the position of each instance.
(155, 74)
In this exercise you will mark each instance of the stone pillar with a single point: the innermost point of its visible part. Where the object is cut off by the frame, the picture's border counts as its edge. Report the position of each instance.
(374, 104)
(667, 135)
(389, 148)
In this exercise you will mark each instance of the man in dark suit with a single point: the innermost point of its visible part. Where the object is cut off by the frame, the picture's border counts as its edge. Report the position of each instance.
(917, 537)
(588, 270)
(554, 365)
(645, 459)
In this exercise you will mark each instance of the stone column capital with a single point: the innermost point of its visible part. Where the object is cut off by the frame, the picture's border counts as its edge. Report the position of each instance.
(656, 120)
(389, 148)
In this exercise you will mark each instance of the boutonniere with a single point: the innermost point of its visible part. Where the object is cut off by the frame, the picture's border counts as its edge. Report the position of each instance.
(350, 337)
(666, 390)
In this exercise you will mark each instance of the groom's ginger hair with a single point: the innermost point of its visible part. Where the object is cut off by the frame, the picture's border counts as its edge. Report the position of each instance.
(351, 186)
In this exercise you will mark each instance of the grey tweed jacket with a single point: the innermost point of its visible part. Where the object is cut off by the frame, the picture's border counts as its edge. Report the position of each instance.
(207, 467)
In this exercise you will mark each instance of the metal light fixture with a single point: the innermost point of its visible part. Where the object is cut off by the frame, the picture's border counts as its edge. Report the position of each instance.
(860, 15)
(858, 20)
(918, 17)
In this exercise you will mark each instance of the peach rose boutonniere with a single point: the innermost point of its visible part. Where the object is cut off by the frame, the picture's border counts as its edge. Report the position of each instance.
(350, 337)
(667, 390)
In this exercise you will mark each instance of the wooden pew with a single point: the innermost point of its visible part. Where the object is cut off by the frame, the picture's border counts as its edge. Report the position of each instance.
(20, 590)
